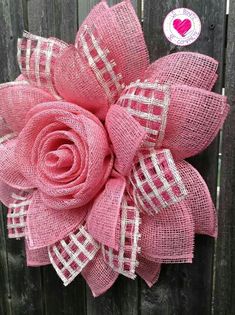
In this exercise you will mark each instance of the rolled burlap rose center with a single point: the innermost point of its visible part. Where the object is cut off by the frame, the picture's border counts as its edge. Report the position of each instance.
(68, 156)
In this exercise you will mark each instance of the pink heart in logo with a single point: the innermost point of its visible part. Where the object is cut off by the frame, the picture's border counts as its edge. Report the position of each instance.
(182, 26)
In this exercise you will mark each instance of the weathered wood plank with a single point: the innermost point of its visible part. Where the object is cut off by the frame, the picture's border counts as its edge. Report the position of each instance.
(22, 287)
(187, 289)
(224, 302)
(53, 18)
(121, 299)
(5, 292)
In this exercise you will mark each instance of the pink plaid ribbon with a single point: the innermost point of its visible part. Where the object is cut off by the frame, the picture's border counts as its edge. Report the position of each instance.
(155, 182)
(124, 261)
(17, 214)
(148, 103)
(70, 255)
(36, 58)
(99, 59)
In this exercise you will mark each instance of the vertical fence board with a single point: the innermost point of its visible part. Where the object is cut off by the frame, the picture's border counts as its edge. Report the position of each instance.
(224, 302)
(22, 289)
(187, 289)
(5, 302)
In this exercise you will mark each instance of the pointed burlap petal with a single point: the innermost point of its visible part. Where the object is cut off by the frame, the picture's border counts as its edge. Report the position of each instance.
(185, 68)
(168, 237)
(148, 270)
(124, 260)
(37, 57)
(16, 99)
(36, 257)
(45, 226)
(10, 173)
(120, 32)
(98, 275)
(198, 200)
(70, 255)
(104, 216)
(126, 135)
(79, 85)
(154, 182)
(194, 118)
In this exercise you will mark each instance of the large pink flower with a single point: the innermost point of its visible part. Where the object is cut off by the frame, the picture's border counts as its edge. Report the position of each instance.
(93, 147)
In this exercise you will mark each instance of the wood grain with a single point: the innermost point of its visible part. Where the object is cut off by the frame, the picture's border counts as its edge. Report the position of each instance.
(224, 302)
(22, 292)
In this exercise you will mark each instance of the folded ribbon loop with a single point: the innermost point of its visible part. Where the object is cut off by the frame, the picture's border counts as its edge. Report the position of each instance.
(148, 103)
(124, 260)
(70, 255)
(154, 181)
(104, 218)
(37, 57)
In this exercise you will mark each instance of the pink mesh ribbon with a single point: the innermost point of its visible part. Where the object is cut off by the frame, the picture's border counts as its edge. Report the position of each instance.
(70, 255)
(14, 106)
(155, 182)
(92, 147)
(37, 57)
(98, 275)
(41, 228)
(36, 257)
(168, 237)
(17, 214)
(148, 270)
(103, 219)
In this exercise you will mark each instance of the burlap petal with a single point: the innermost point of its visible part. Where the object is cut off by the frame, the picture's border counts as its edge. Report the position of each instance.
(148, 270)
(45, 225)
(194, 118)
(36, 257)
(126, 135)
(154, 182)
(185, 68)
(79, 85)
(198, 200)
(104, 217)
(16, 99)
(98, 275)
(168, 237)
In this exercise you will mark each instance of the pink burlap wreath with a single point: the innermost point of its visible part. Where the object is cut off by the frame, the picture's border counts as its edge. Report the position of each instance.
(93, 149)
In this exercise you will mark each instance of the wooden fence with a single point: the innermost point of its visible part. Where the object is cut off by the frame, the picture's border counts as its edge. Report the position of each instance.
(205, 287)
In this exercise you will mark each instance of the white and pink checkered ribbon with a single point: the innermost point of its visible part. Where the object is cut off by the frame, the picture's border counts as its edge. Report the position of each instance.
(101, 63)
(36, 57)
(71, 255)
(148, 103)
(17, 214)
(155, 182)
(124, 261)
